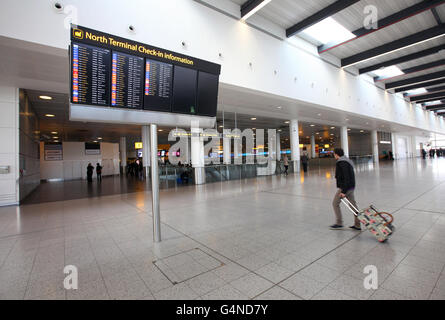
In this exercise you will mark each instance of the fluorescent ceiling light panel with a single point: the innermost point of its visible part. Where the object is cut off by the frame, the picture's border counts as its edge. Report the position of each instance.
(328, 30)
(255, 10)
(385, 53)
(432, 102)
(416, 91)
(389, 72)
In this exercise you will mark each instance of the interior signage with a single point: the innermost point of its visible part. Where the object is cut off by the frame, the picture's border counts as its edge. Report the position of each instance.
(111, 71)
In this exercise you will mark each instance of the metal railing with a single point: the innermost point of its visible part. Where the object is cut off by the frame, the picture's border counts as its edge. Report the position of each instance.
(173, 176)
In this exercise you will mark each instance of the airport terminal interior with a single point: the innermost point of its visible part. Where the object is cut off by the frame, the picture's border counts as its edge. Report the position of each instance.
(199, 160)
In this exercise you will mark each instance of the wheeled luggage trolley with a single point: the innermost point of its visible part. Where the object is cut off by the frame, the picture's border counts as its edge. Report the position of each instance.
(378, 223)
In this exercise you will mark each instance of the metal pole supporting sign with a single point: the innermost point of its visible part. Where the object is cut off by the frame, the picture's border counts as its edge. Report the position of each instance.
(155, 183)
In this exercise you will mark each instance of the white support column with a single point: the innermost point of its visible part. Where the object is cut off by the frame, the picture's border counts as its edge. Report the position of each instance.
(123, 154)
(145, 132)
(9, 141)
(156, 212)
(278, 146)
(344, 140)
(294, 144)
(227, 148)
(414, 152)
(394, 145)
(197, 150)
(313, 155)
(375, 146)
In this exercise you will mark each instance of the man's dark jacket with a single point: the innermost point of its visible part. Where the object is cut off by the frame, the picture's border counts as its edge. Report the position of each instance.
(344, 173)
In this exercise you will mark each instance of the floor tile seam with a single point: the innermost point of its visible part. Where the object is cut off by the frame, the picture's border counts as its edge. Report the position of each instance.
(426, 211)
(28, 282)
(226, 284)
(424, 193)
(100, 270)
(36, 231)
(132, 266)
(409, 251)
(321, 257)
(294, 195)
(222, 255)
(437, 281)
(275, 285)
(199, 202)
(9, 253)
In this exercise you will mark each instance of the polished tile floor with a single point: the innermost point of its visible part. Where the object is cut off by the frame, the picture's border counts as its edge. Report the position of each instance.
(264, 238)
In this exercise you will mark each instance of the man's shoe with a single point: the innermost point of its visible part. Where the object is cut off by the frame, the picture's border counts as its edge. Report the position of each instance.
(336, 227)
(355, 228)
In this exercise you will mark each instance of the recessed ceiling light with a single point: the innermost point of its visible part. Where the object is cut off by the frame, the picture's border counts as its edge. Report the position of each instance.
(221, 126)
(56, 140)
(49, 115)
(286, 122)
(347, 119)
(279, 130)
(362, 130)
(99, 138)
(349, 129)
(55, 137)
(328, 30)
(319, 114)
(45, 97)
(332, 127)
(255, 9)
(160, 130)
(279, 107)
(53, 132)
(312, 125)
(95, 141)
(252, 118)
(317, 133)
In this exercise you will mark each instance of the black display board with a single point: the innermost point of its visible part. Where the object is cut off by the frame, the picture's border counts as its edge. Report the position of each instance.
(207, 94)
(184, 90)
(107, 70)
(90, 70)
(158, 86)
(127, 80)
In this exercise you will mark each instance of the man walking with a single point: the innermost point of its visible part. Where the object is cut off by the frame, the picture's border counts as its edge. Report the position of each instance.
(344, 174)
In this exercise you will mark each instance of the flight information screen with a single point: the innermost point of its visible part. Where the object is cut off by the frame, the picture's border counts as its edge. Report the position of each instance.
(111, 71)
(158, 85)
(207, 94)
(127, 80)
(184, 90)
(90, 74)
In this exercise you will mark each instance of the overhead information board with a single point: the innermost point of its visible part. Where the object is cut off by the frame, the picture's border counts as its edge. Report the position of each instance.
(110, 71)
(90, 75)
(127, 79)
(184, 90)
(158, 85)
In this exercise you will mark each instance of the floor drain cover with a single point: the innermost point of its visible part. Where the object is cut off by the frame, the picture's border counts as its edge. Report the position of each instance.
(183, 266)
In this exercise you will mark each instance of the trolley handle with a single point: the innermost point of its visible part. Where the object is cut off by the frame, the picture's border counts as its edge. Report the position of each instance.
(350, 206)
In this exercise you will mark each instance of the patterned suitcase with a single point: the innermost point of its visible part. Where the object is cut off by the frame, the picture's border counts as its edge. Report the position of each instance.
(378, 223)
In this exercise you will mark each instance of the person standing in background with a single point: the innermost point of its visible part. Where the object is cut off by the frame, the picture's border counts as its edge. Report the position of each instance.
(286, 164)
(304, 159)
(90, 170)
(99, 172)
